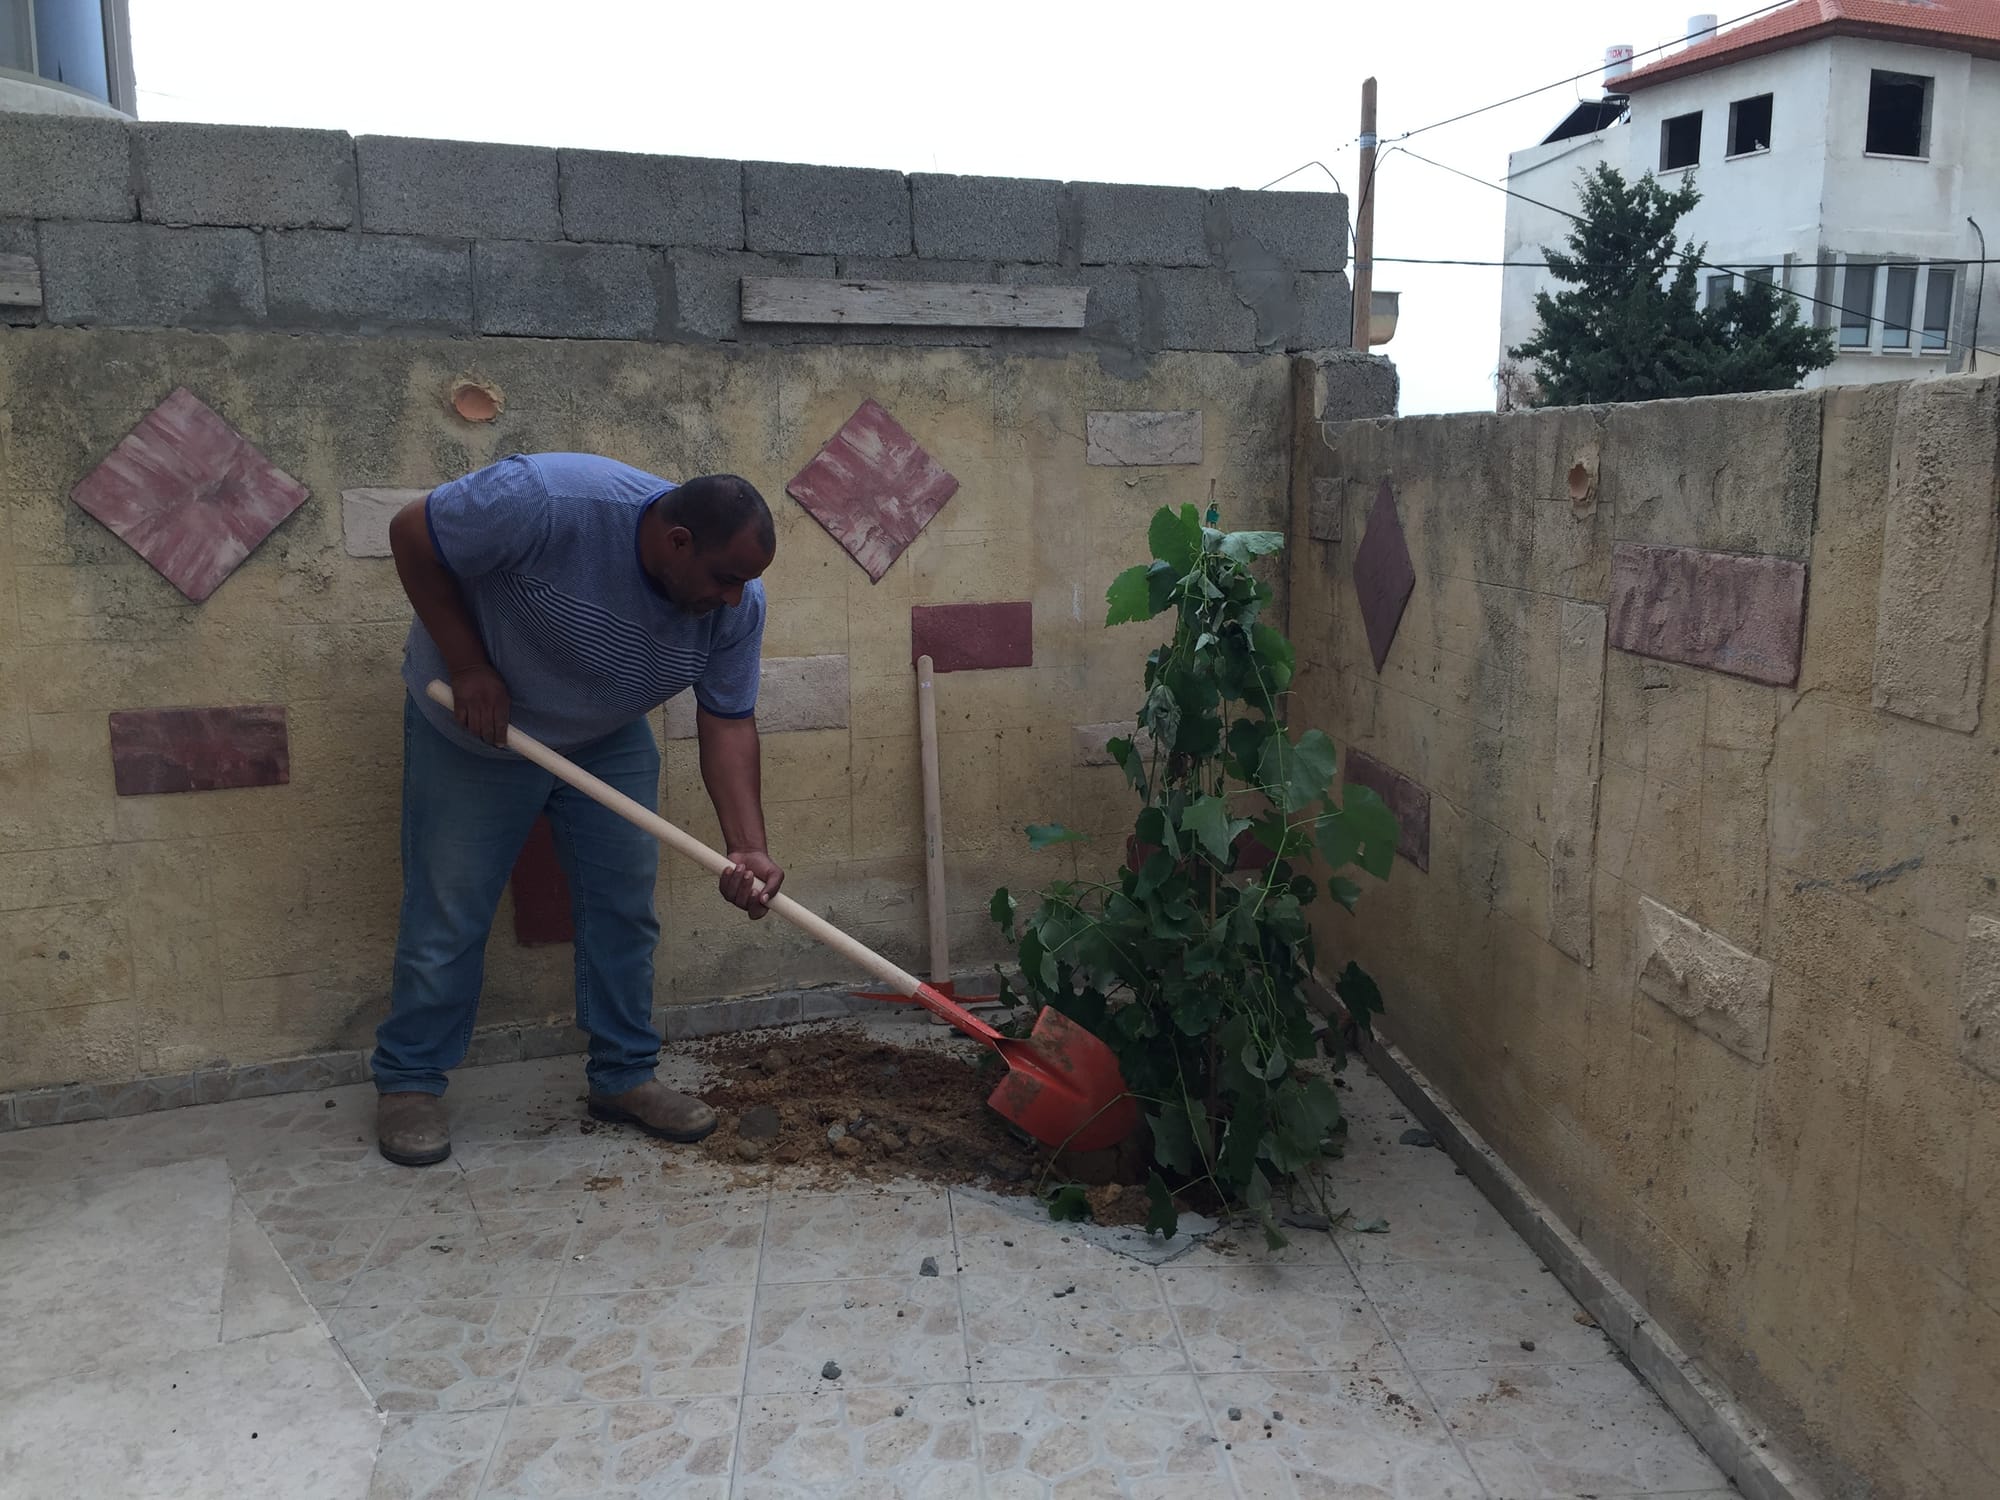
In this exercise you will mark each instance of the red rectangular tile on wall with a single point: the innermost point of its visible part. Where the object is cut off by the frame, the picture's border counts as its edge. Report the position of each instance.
(1744, 615)
(541, 892)
(971, 637)
(1406, 799)
(155, 750)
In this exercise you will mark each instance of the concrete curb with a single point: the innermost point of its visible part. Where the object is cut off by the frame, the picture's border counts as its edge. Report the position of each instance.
(1723, 1428)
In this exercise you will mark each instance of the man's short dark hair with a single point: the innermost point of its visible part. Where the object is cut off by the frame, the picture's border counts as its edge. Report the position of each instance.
(715, 507)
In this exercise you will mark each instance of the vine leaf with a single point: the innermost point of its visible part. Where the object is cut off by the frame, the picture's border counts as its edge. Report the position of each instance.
(1176, 538)
(1208, 820)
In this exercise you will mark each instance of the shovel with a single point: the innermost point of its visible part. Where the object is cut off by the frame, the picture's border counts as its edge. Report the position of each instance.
(1062, 1085)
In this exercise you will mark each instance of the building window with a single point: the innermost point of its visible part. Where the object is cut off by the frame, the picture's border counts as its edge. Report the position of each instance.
(1857, 303)
(1899, 304)
(1750, 125)
(1718, 288)
(1762, 273)
(1680, 142)
(80, 45)
(1896, 308)
(1937, 308)
(1899, 114)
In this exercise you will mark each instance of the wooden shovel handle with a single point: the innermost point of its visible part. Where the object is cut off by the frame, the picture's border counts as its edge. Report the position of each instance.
(808, 922)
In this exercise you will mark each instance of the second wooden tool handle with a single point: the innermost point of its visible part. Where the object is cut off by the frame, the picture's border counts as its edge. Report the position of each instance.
(603, 793)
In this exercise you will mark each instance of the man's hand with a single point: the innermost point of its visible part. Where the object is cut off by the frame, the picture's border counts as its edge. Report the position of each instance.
(480, 702)
(748, 868)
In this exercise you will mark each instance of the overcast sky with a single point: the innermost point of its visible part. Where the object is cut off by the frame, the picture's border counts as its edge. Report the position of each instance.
(1197, 95)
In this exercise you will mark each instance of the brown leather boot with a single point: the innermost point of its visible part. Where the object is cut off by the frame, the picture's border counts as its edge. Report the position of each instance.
(411, 1129)
(657, 1110)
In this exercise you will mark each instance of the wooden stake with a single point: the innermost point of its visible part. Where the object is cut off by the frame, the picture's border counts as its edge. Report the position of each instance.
(1364, 225)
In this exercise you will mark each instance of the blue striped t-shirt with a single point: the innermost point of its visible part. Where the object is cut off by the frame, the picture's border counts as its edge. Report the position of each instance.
(545, 548)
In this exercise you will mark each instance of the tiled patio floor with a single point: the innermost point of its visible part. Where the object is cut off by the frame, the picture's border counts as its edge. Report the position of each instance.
(559, 1314)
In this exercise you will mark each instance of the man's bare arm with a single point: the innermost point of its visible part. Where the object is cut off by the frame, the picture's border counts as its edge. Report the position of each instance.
(732, 770)
(480, 694)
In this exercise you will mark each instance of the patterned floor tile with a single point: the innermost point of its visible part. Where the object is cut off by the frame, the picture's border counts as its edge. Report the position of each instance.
(324, 1256)
(991, 1239)
(637, 1450)
(826, 1239)
(349, 1182)
(690, 1341)
(1536, 1432)
(449, 1257)
(1110, 1321)
(438, 1356)
(1429, 1218)
(1051, 1439)
(435, 1457)
(559, 1172)
(1452, 1314)
(882, 1444)
(1275, 1318)
(1369, 1436)
(700, 1242)
(878, 1332)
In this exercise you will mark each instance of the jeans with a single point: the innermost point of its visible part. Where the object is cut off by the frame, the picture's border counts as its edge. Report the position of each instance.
(465, 819)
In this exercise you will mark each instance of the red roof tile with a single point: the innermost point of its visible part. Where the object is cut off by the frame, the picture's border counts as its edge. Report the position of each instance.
(1961, 25)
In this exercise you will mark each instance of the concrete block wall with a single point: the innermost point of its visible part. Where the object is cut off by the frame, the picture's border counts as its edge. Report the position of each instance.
(243, 227)
(1708, 960)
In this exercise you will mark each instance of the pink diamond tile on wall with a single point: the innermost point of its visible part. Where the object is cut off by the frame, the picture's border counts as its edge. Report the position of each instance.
(190, 494)
(873, 488)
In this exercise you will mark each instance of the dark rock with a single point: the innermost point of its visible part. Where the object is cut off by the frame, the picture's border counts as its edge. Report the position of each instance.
(760, 1123)
(829, 1371)
(1235, 1413)
(1416, 1137)
(1298, 1218)
(1529, 1345)
(929, 1267)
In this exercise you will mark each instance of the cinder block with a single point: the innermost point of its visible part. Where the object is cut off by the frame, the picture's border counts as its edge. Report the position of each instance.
(570, 291)
(1203, 310)
(825, 210)
(1352, 386)
(467, 189)
(708, 287)
(1704, 979)
(64, 167)
(986, 218)
(635, 199)
(1130, 439)
(244, 174)
(1303, 231)
(1322, 313)
(365, 515)
(794, 693)
(1938, 540)
(368, 283)
(1154, 226)
(151, 276)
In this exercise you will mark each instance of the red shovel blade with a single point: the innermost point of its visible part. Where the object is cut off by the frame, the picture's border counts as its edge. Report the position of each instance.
(1063, 1087)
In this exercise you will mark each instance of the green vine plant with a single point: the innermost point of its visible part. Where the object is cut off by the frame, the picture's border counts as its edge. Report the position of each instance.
(1193, 961)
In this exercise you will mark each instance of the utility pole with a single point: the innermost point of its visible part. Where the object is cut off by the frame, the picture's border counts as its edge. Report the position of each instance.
(1364, 224)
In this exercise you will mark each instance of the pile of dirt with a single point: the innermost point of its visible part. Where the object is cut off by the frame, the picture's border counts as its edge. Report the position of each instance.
(838, 1103)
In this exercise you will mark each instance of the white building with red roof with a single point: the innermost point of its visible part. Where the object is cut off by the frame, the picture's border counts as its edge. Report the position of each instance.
(1848, 149)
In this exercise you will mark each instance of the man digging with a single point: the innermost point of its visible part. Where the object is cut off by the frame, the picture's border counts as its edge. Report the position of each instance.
(571, 595)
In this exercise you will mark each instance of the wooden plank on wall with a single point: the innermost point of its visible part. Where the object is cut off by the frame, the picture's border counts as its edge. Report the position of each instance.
(935, 304)
(20, 281)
